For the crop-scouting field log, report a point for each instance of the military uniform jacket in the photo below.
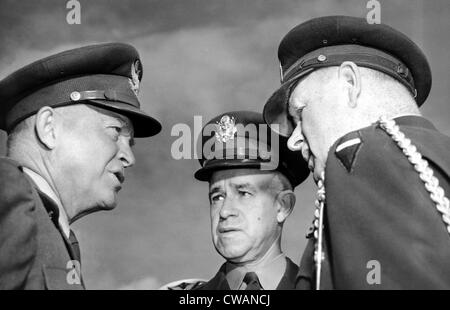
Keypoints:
(219, 282)
(34, 253)
(381, 229)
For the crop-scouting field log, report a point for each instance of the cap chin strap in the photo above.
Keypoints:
(319, 254)
(361, 55)
(109, 94)
(421, 165)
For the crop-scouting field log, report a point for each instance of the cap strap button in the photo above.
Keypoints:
(322, 58)
(401, 70)
(75, 96)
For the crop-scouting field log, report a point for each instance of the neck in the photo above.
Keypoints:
(36, 162)
(272, 253)
(369, 110)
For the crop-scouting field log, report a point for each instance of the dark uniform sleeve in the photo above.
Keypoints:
(17, 227)
(382, 229)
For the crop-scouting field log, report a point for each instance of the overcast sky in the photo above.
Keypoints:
(200, 58)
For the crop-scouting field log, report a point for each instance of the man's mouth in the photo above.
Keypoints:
(311, 163)
(120, 176)
(307, 156)
(224, 230)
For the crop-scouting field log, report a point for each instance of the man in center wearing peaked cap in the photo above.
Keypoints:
(71, 119)
(251, 177)
(349, 100)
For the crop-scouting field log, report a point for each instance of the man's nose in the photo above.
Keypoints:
(228, 208)
(295, 140)
(126, 155)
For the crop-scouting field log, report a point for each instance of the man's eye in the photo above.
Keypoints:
(245, 194)
(299, 113)
(216, 198)
(115, 131)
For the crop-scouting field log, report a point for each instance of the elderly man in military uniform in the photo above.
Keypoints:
(251, 183)
(71, 120)
(349, 100)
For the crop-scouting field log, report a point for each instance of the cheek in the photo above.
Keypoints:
(261, 222)
(101, 147)
(214, 214)
(215, 218)
(314, 123)
(87, 156)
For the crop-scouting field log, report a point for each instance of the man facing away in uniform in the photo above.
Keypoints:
(71, 120)
(251, 180)
(349, 100)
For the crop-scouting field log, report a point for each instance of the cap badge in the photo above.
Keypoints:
(226, 129)
(135, 72)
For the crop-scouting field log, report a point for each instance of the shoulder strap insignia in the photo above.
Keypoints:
(347, 149)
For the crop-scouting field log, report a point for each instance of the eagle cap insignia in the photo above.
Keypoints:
(135, 73)
(226, 129)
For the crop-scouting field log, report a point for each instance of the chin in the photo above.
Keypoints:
(316, 176)
(104, 204)
(234, 253)
(231, 256)
(108, 201)
(108, 205)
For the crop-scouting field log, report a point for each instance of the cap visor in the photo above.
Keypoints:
(276, 109)
(276, 112)
(204, 174)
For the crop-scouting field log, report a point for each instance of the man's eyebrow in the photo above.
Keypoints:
(214, 189)
(295, 112)
(292, 109)
(122, 119)
(244, 186)
(295, 109)
(126, 124)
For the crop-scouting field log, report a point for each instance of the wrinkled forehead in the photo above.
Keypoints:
(107, 115)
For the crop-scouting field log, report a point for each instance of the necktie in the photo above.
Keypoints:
(75, 246)
(252, 281)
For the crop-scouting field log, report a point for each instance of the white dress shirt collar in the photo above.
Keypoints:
(44, 187)
(269, 269)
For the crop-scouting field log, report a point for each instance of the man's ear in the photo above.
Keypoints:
(350, 75)
(285, 202)
(45, 127)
